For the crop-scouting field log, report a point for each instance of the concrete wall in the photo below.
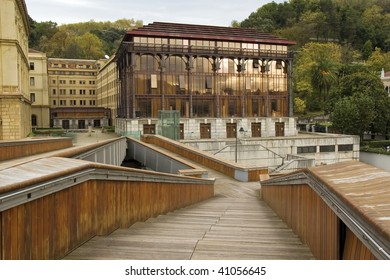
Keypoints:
(270, 151)
(218, 126)
(377, 160)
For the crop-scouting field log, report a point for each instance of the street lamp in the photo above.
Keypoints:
(241, 131)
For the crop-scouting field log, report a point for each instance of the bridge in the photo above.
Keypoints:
(76, 203)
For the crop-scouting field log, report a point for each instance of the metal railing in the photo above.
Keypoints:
(207, 51)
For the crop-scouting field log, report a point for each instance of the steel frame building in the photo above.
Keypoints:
(204, 72)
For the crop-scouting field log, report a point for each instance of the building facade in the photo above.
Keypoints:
(15, 105)
(73, 94)
(217, 78)
(385, 77)
(39, 90)
(107, 86)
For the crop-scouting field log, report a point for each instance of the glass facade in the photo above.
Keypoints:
(203, 78)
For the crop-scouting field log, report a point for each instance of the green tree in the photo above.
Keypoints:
(299, 105)
(379, 60)
(91, 46)
(40, 31)
(316, 69)
(355, 89)
(353, 115)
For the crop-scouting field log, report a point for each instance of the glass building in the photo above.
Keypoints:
(203, 71)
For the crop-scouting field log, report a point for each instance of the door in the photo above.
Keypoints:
(279, 129)
(81, 124)
(256, 129)
(205, 131)
(65, 124)
(181, 131)
(149, 129)
(231, 130)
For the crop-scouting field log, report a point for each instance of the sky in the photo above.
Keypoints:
(205, 12)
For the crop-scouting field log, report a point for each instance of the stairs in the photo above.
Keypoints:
(234, 224)
(219, 228)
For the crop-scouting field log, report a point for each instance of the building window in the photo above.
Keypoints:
(345, 148)
(73, 102)
(54, 91)
(91, 92)
(82, 91)
(327, 149)
(306, 150)
(32, 97)
(32, 66)
(32, 81)
(54, 102)
(82, 102)
(62, 91)
(53, 82)
(62, 102)
(34, 120)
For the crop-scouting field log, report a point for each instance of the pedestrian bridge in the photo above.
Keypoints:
(63, 204)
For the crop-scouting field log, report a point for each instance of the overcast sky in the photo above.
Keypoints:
(207, 12)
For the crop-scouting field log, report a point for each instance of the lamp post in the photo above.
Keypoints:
(241, 131)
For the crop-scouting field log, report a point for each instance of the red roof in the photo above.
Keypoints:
(204, 32)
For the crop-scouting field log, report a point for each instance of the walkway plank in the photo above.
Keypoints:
(235, 224)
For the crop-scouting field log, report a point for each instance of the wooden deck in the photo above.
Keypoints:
(235, 224)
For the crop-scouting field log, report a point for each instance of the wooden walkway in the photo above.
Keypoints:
(235, 224)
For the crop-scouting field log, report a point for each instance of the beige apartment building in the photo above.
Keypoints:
(73, 94)
(15, 105)
(107, 86)
(39, 90)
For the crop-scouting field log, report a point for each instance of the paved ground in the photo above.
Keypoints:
(85, 138)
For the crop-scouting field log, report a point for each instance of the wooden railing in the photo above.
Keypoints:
(47, 217)
(22, 148)
(314, 221)
(236, 171)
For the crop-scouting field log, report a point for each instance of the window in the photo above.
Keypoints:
(53, 82)
(62, 102)
(327, 149)
(82, 102)
(34, 121)
(32, 66)
(62, 91)
(345, 148)
(92, 102)
(32, 97)
(54, 91)
(82, 91)
(306, 149)
(54, 102)
(91, 92)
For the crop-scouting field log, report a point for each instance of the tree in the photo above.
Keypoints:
(364, 93)
(315, 72)
(299, 105)
(353, 115)
(91, 46)
(39, 30)
(379, 60)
